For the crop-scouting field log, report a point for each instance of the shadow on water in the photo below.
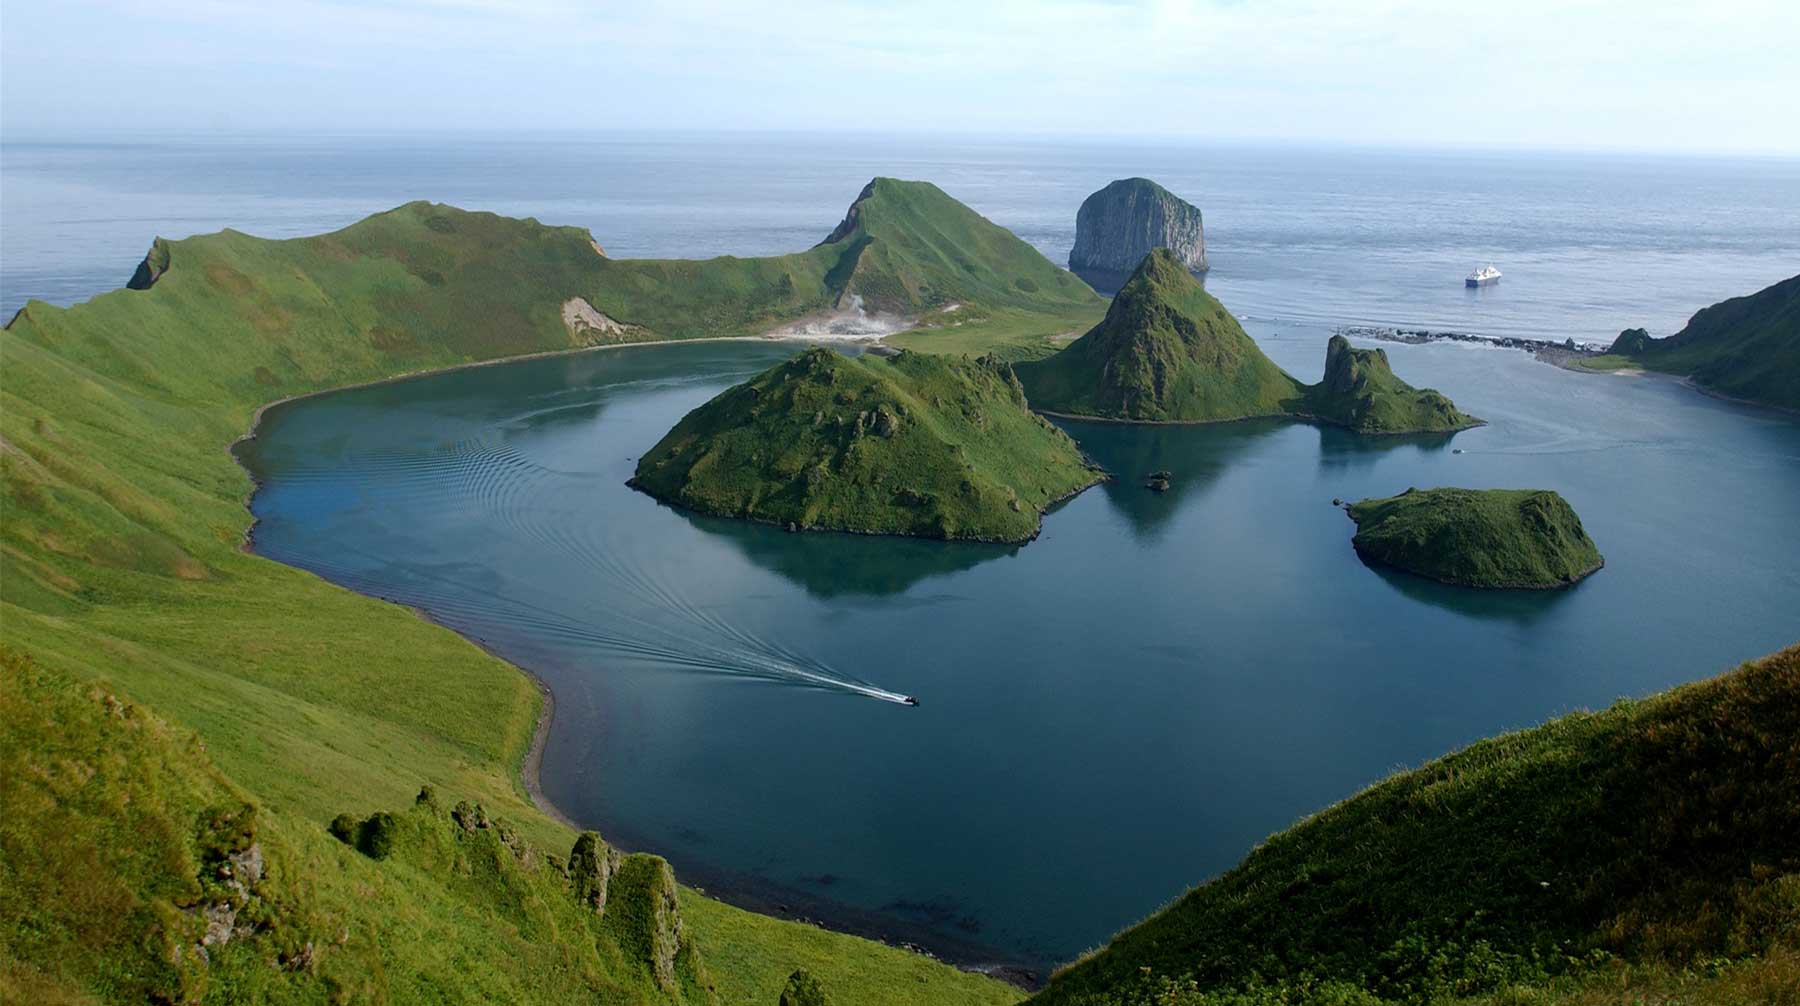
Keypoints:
(1522, 607)
(1194, 456)
(830, 565)
(1342, 450)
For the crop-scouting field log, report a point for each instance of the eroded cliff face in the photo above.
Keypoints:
(1120, 224)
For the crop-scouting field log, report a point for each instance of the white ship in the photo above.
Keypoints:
(1487, 275)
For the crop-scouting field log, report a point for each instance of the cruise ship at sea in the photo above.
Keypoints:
(1487, 275)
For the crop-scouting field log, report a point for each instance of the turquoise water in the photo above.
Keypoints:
(1109, 714)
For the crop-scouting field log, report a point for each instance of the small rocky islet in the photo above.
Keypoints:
(1492, 538)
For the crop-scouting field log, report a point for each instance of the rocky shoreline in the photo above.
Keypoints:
(1548, 350)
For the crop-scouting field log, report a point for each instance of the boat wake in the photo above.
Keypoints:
(647, 619)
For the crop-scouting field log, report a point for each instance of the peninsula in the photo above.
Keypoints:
(936, 446)
(1169, 352)
(1746, 348)
(1495, 538)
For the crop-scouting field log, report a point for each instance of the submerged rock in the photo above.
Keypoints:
(1120, 224)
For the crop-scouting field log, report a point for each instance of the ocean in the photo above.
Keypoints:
(1589, 244)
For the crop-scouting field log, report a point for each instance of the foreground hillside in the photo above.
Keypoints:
(914, 445)
(1657, 840)
(121, 575)
(1745, 347)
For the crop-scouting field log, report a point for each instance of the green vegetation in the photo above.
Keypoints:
(121, 574)
(1477, 537)
(1599, 858)
(1169, 352)
(919, 445)
(1745, 347)
(1360, 391)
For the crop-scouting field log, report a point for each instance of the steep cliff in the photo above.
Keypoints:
(1120, 224)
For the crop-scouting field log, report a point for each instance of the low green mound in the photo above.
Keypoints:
(1657, 835)
(1477, 537)
(917, 445)
(1745, 347)
(1167, 351)
(1360, 391)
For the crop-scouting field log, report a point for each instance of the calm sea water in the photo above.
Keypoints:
(1115, 711)
(1109, 714)
(1589, 245)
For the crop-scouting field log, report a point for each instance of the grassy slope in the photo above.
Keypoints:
(1745, 347)
(1477, 537)
(1359, 391)
(1660, 832)
(916, 444)
(1168, 351)
(119, 556)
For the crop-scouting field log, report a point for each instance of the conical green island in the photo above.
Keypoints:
(1477, 537)
(917, 444)
(1169, 352)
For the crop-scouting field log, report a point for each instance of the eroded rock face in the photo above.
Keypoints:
(1120, 224)
(592, 864)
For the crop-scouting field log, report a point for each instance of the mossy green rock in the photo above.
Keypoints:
(1477, 537)
(804, 990)
(912, 445)
(1167, 351)
(1360, 391)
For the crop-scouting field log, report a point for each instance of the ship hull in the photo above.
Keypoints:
(1473, 282)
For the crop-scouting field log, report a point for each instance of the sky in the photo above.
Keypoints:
(1713, 77)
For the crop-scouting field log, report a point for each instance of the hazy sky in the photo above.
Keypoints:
(1693, 77)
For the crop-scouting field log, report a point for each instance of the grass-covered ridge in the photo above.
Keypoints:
(915, 444)
(1745, 347)
(1169, 352)
(1553, 864)
(1499, 538)
(121, 568)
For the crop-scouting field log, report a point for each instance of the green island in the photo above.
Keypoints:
(1169, 352)
(1747, 348)
(1496, 538)
(917, 444)
(1595, 859)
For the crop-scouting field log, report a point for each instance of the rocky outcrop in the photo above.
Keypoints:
(652, 930)
(155, 263)
(592, 864)
(589, 326)
(804, 990)
(1120, 224)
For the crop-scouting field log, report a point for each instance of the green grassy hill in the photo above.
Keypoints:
(1745, 347)
(1168, 351)
(1360, 391)
(916, 445)
(1526, 538)
(121, 570)
(1644, 854)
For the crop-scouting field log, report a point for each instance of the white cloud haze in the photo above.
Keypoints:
(1678, 77)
